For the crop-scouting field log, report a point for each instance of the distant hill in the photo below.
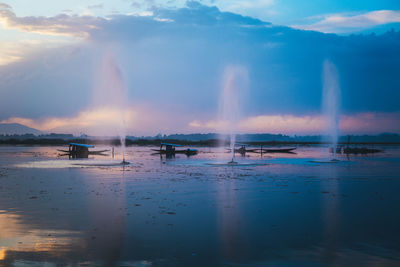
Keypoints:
(16, 128)
(265, 137)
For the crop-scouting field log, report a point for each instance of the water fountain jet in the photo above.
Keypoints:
(331, 104)
(112, 93)
(234, 82)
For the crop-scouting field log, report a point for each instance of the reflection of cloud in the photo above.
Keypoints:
(340, 23)
(19, 237)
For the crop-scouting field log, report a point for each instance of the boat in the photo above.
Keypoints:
(76, 150)
(242, 150)
(359, 150)
(170, 149)
(339, 150)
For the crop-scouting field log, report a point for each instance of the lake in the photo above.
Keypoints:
(275, 210)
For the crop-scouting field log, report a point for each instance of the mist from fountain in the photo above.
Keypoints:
(112, 93)
(331, 103)
(235, 82)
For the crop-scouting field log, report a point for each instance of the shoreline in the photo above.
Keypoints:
(156, 142)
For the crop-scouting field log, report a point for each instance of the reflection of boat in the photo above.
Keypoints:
(76, 150)
(243, 150)
(360, 150)
(278, 150)
(170, 150)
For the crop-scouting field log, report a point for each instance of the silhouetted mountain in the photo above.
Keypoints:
(17, 129)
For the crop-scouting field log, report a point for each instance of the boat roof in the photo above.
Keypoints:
(168, 144)
(83, 145)
(240, 144)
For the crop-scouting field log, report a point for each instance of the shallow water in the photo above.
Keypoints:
(279, 209)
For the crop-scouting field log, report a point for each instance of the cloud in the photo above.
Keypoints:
(144, 120)
(5, 6)
(246, 6)
(62, 24)
(369, 122)
(342, 23)
(109, 121)
(99, 6)
(143, 3)
(11, 52)
(176, 64)
(196, 14)
(261, 9)
(102, 121)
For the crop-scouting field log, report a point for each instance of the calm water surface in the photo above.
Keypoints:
(284, 210)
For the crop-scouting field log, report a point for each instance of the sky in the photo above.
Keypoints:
(149, 67)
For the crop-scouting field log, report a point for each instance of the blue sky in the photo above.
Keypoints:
(165, 63)
(279, 12)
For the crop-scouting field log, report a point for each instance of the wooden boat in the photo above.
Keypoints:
(359, 150)
(170, 149)
(242, 150)
(76, 150)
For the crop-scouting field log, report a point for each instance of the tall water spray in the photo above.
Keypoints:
(331, 102)
(112, 93)
(234, 83)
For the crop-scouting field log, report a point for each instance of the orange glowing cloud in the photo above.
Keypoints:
(108, 121)
(290, 124)
(144, 120)
(103, 121)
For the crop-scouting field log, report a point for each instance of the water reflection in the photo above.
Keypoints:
(19, 241)
(290, 211)
(230, 218)
(91, 229)
(330, 212)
